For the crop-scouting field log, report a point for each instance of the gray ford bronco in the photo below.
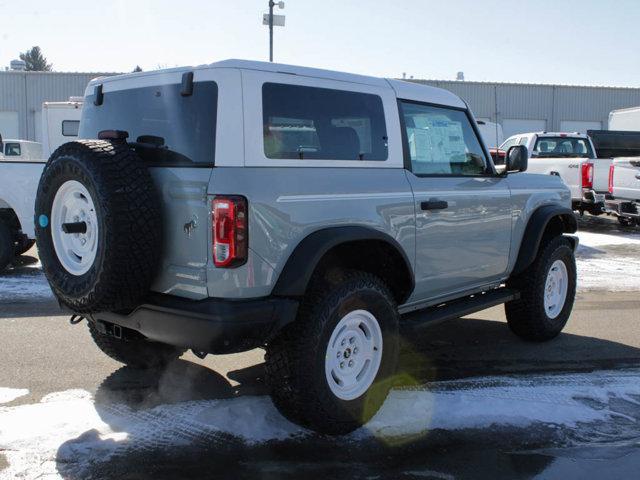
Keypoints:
(314, 214)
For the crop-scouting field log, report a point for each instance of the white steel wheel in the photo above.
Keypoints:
(73, 204)
(555, 289)
(353, 355)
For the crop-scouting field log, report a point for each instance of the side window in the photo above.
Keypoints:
(12, 150)
(523, 141)
(70, 128)
(305, 123)
(509, 143)
(441, 141)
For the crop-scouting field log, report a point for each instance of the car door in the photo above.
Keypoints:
(463, 208)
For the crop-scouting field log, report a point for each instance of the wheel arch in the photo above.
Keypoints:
(547, 221)
(375, 252)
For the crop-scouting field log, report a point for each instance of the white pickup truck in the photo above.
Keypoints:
(21, 164)
(624, 187)
(571, 156)
(622, 149)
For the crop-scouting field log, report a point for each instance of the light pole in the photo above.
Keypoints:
(271, 5)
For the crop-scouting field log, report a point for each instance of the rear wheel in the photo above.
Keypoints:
(547, 291)
(133, 349)
(626, 221)
(6, 245)
(331, 370)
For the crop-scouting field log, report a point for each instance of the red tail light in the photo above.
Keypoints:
(230, 242)
(587, 175)
(611, 170)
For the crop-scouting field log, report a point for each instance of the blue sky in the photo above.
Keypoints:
(563, 41)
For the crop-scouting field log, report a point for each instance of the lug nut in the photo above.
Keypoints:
(341, 364)
(355, 350)
(339, 354)
(351, 363)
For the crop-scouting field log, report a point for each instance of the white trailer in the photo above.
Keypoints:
(491, 133)
(60, 123)
(625, 119)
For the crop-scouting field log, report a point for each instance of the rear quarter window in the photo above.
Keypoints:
(305, 123)
(172, 129)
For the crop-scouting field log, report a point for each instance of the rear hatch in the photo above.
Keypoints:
(173, 130)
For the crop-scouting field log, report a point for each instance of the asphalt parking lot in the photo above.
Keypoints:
(470, 391)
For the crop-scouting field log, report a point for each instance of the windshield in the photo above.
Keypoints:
(184, 126)
(562, 147)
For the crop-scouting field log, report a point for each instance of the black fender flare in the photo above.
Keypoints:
(297, 272)
(535, 229)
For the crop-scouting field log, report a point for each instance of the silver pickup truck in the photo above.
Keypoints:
(314, 214)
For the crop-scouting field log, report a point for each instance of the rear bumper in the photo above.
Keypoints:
(623, 208)
(211, 325)
(591, 202)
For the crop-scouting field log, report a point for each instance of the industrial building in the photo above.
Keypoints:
(22, 94)
(517, 107)
(523, 108)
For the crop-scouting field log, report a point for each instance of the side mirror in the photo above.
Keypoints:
(517, 159)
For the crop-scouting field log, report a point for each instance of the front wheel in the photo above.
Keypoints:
(331, 370)
(6, 245)
(547, 291)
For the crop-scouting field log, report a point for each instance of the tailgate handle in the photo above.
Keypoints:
(434, 205)
(638, 176)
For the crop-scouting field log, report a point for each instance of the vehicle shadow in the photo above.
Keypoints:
(171, 447)
(607, 225)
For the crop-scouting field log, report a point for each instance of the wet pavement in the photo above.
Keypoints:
(473, 400)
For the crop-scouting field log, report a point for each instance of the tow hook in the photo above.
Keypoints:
(200, 355)
(76, 319)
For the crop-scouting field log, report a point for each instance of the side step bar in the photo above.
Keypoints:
(458, 308)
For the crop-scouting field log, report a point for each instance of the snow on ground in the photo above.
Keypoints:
(10, 394)
(608, 262)
(67, 427)
(29, 284)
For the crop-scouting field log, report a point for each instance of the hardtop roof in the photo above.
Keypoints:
(403, 89)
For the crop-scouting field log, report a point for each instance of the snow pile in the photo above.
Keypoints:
(608, 261)
(10, 394)
(69, 428)
(514, 401)
(31, 286)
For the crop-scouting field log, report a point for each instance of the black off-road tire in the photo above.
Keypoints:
(527, 316)
(295, 360)
(129, 225)
(134, 350)
(24, 246)
(626, 221)
(6, 245)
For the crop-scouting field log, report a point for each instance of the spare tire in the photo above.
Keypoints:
(98, 226)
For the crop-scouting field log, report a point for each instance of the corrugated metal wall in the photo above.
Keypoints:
(24, 92)
(553, 103)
